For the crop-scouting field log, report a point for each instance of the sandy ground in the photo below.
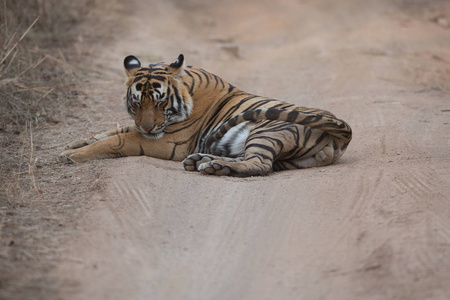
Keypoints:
(374, 226)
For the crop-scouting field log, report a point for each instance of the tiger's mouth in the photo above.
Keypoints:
(154, 134)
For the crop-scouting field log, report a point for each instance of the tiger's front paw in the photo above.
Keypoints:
(81, 143)
(72, 156)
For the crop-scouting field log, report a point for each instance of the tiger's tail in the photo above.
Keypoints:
(333, 126)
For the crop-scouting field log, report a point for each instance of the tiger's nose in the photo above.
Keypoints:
(147, 129)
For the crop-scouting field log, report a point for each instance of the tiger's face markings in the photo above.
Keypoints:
(145, 103)
(155, 97)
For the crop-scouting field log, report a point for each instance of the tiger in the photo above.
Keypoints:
(184, 113)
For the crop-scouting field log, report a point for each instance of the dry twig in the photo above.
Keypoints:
(18, 41)
(32, 164)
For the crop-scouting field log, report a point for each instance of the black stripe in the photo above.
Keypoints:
(191, 88)
(172, 155)
(223, 130)
(261, 146)
(311, 119)
(316, 143)
(231, 122)
(292, 116)
(260, 156)
(177, 94)
(139, 78)
(189, 74)
(259, 103)
(171, 100)
(160, 78)
(169, 91)
(307, 131)
(216, 79)
(273, 114)
(248, 115)
(276, 141)
(180, 104)
(207, 77)
(208, 124)
(278, 106)
(188, 124)
(119, 145)
(199, 77)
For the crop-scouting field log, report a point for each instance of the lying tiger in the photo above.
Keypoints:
(187, 113)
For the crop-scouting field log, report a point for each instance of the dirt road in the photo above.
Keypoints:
(374, 226)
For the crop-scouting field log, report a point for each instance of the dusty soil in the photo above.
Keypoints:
(376, 225)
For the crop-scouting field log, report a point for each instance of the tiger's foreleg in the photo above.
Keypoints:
(124, 144)
(100, 136)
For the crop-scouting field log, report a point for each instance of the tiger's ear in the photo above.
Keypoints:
(177, 66)
(132, 65)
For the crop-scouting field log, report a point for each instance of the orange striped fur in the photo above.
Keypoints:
(186, 113)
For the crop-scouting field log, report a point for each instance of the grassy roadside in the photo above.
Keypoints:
(43, 46)
(35, 78)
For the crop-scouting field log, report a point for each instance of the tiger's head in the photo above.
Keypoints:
(156, 96)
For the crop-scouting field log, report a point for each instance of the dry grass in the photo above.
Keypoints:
(39, 87)
(39, 78)
(29, 80)
(35, 78)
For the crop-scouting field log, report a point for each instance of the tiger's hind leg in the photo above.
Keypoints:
(260, 152)
(326, 156)
(275, 146)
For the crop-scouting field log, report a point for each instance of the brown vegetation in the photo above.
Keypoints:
(34, 76)
(40, 71)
